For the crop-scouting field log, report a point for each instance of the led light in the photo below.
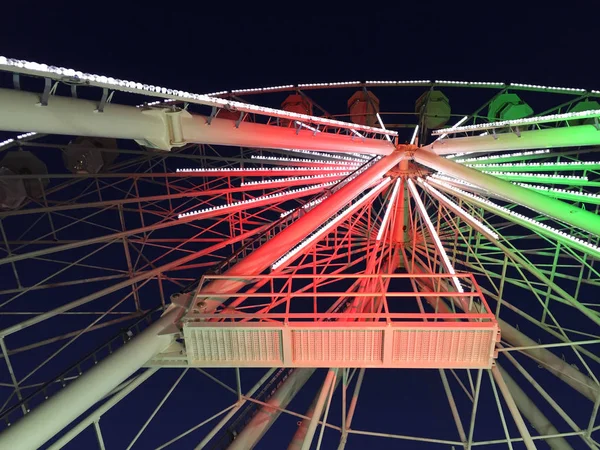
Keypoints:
(328, 225)
(291, 179)
(26, 135)
(457, 209)
(549, 88)
(414, 136)
(554, 165)
(329, 155)
(6, 142)
(565, 193)
(313, 161)
(526, 121)
(400, 82)
(356, 133)
(334, 84)
(453, 127)
(58, 73)
(255, 200)
(504, 155)
(388, 210)
(531, 223)
(433, 233)
(212, 94)
(536, 175)
(262, 89)
(255, 170)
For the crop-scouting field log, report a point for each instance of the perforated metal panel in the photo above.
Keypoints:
(430, 347)
(329, 344)
(337, 346)
(233, 345)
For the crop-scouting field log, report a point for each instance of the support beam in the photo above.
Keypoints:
(260, 259)
(45, 421)
(547, 138)
(265, 417)
(163, 128)
(324, 395)
(550, 207)
(512, 407)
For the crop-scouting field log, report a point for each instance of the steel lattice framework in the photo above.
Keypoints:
(268, 252)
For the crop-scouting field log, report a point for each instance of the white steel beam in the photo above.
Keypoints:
(43, 422)
(163, 128)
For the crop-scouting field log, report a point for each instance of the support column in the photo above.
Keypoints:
(265, 417)
(319, 406)
(533, 414)
(49, 418)
(513, 409)
(548, 206)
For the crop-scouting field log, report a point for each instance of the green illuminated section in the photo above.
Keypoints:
(548, 179)
(541, 167)
(565, 195)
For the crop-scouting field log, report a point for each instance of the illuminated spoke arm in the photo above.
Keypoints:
(550, 207)
(436, 239)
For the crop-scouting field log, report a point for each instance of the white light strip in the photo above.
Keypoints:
(255, 200)
(327, 226)
(399, 82)
(290, 179)
(526, 121)
(382, 126)
(550, 88)
(19, 137)
(262, 89)
(157, 102)
(329, 155)
(472, 83)
(582, 195)
(457, 209)
(414, 136)
(258, 171)
(217, 93)
(450, 179)
(503, 155)
(545, 229)
(336, 83)
(570, 165)
(434, 235)
(453, 127)
(388, 210)
(361, 136)
(6, 142)
(308, 161)
(74, 76)
(306, 206)
(535, 175)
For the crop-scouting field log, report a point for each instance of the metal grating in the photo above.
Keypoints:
(337, 346)
(429, 347)
(229, 345)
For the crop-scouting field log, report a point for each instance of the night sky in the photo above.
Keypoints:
(190, 48)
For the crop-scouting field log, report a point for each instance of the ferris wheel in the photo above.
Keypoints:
(330, 269)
